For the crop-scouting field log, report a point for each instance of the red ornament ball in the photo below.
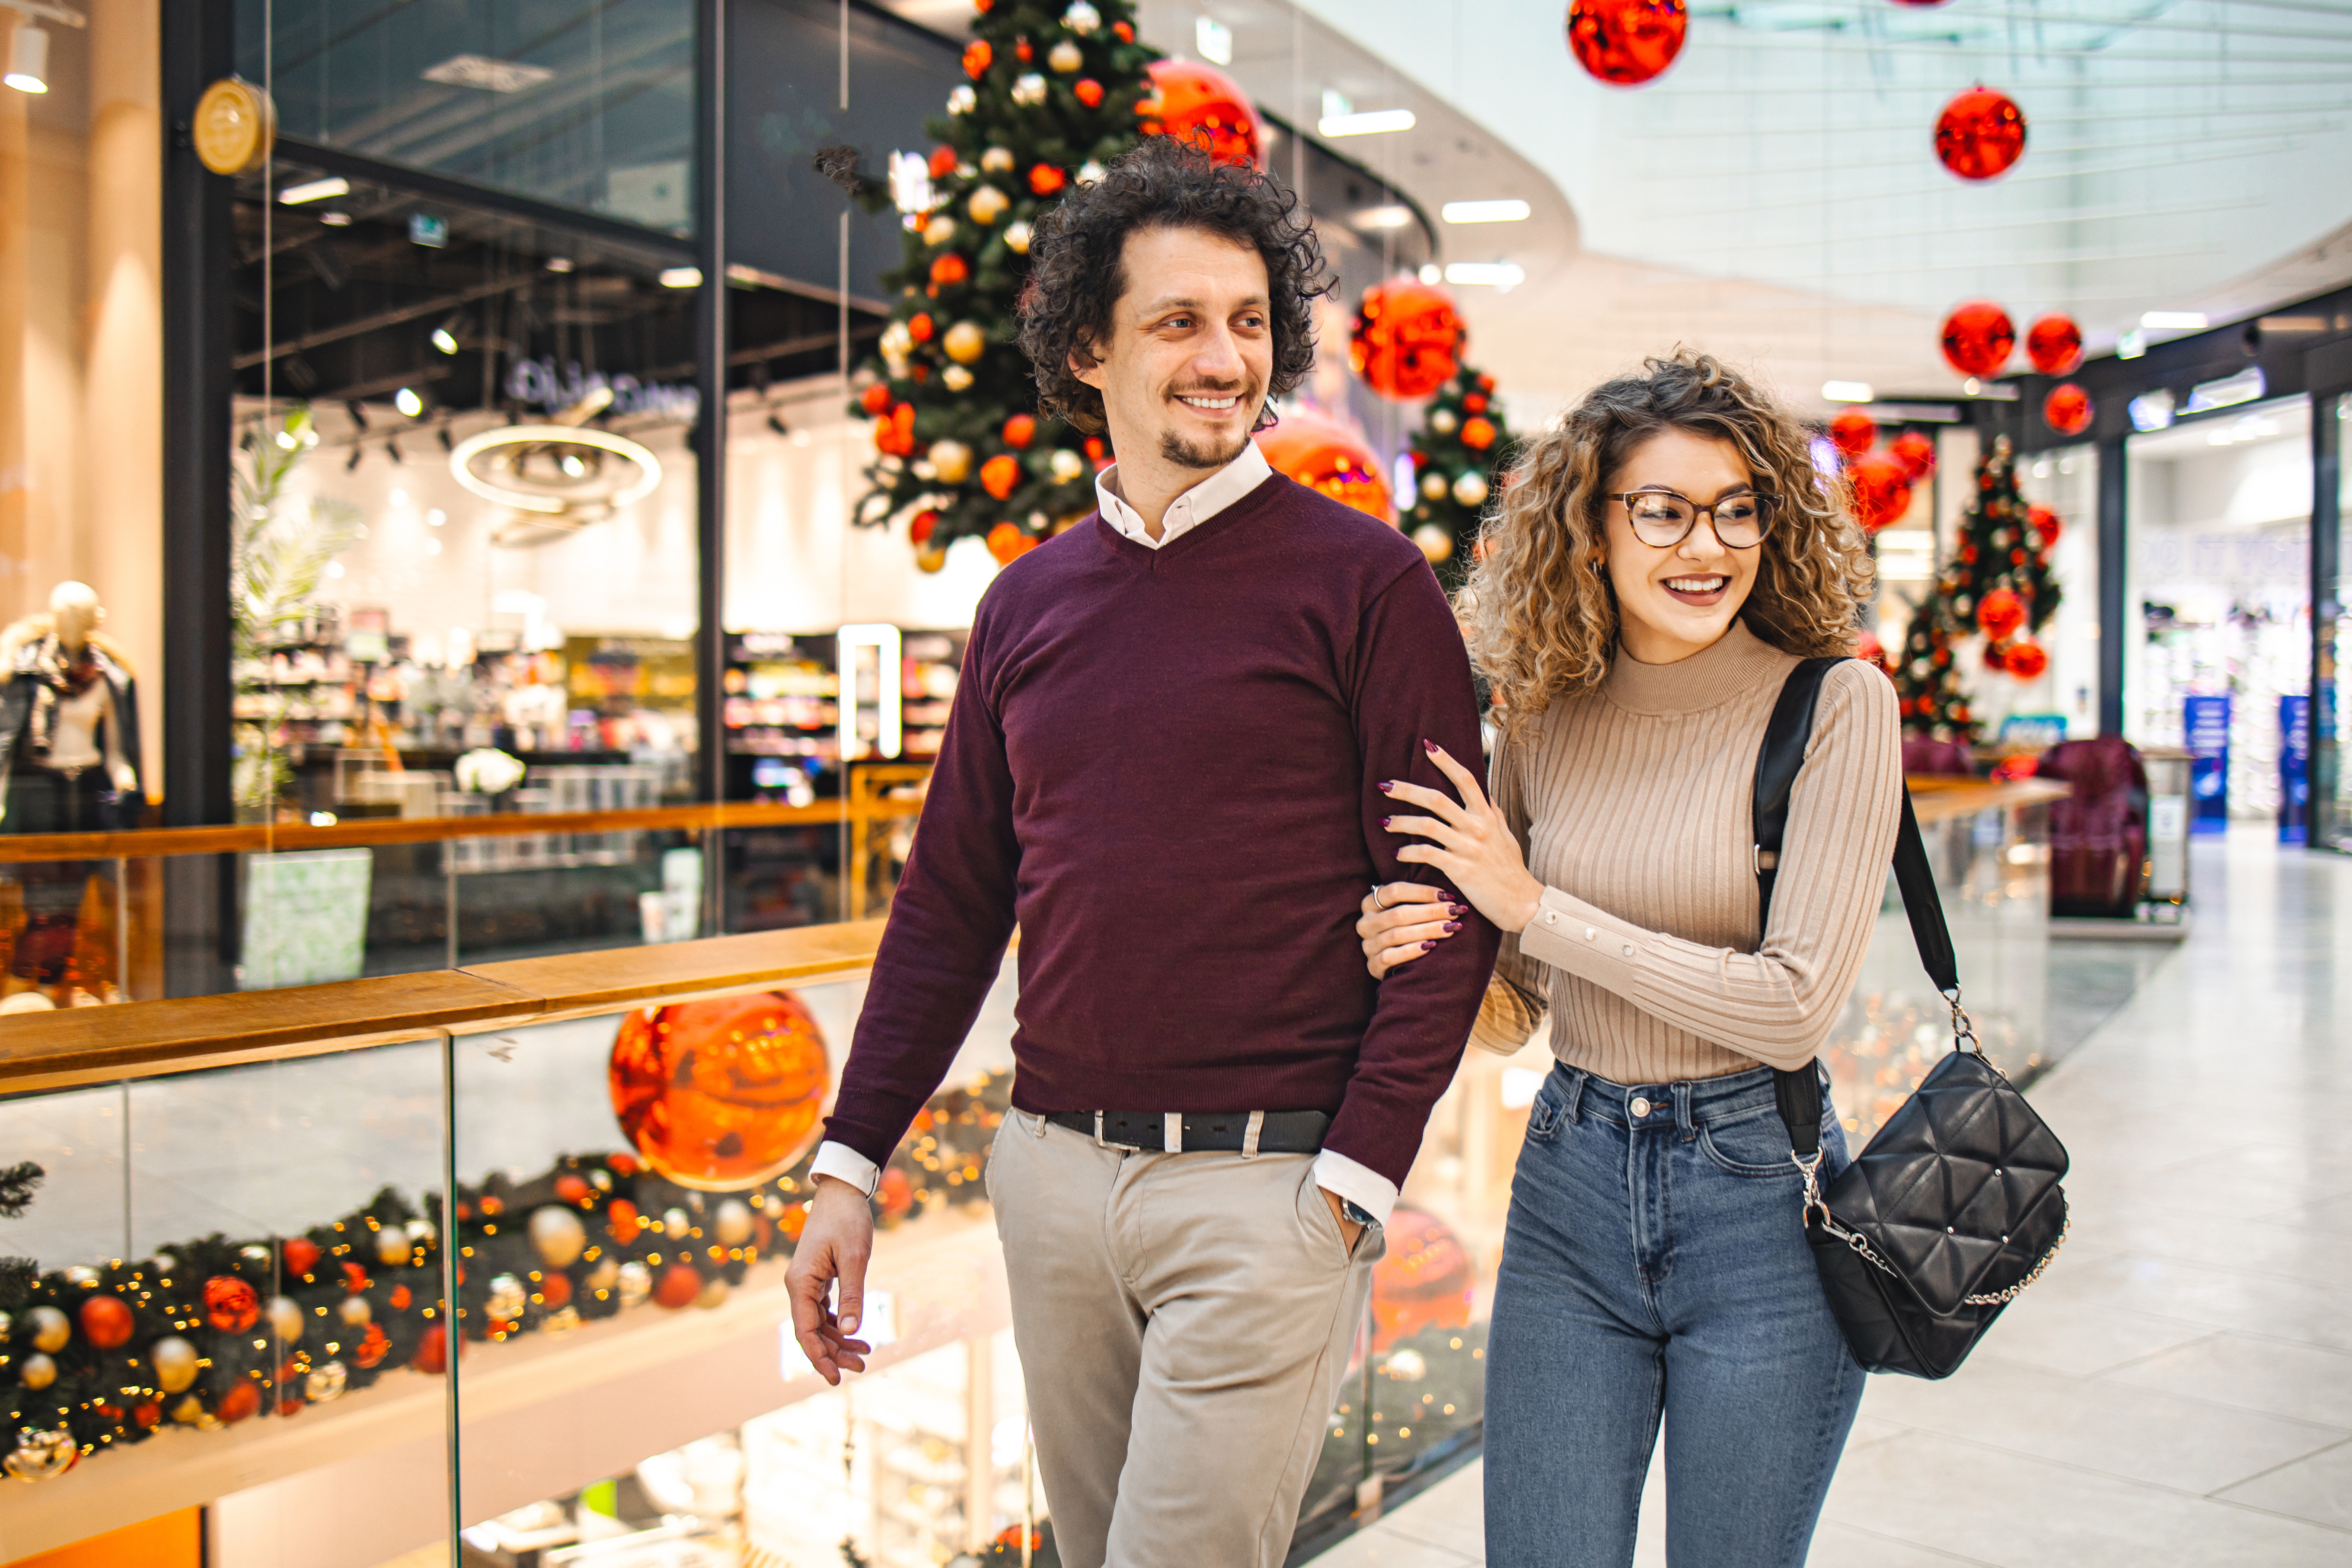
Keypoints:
(432, 1356)
(2026, 660)
(1406, 340)
(1200, 104)
(1980, 133)
(1324, 455)
(571, 1187)
(2045, 523)
(299, 1254)
(926, 523)
(1046, 179)
(230, 1304)
(720, 1095)
(243, 1399)
(2000, 612)
(1854, 432)
(1978, 338)
(1916, 450)
(977, 57)
(2067, 409)
(1626, 42)
(1478, 434)
(1020, 430)
(1881, 491)
(2055, 344)
(677, 1287)
(951, 268)
(1423, 1282)
(943, 161)
(876, 399)
(106, 1322)
(1089, 91)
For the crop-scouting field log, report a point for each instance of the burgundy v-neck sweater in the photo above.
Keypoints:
(1164, 764)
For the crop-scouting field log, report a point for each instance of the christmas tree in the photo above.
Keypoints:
(1927, 680)
(1458, 456)
(1054, 96)
(1998, 580)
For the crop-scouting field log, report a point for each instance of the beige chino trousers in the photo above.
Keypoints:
(1183, 1321)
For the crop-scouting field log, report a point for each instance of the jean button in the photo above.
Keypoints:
(1639, 1106)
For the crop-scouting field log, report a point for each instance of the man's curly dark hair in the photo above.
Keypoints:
(1076, 275)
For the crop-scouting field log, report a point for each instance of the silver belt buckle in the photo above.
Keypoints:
(1102, 1142)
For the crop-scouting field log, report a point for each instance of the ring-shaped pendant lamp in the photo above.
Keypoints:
(649, 469)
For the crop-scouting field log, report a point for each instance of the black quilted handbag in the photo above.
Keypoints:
(1955, 1207)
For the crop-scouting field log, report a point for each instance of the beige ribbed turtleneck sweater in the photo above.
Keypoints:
(1632, 802)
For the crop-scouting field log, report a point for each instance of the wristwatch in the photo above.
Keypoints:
(1356, 1212)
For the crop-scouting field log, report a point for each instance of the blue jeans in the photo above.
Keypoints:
(1655, 1264)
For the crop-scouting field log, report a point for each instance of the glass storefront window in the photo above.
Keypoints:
(2331, 781)
(2217, 593)
(2067, 701)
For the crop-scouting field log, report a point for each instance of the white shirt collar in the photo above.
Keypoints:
(1188, 511)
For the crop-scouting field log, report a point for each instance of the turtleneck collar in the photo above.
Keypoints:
(1714, 675)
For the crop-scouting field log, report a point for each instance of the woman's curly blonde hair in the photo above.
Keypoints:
(1538, 609)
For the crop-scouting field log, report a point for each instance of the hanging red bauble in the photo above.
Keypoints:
(1324, 455)
(1978, 338)
(2067, 409)
(1854, 432)
(2055, 344)
(1916, 450)
(1406, 337)
(2000, 612)
(1881, 491)
(2026, 660)
(230, 1304)
(1980, 133)
(677, 1287)
(106, 1322)
(432, 1355)
(1192, 101)
(300, 1255)
(720, 1095)
(239, 1401)
(1478, 433)
(2045, 523)
(1626, 42)
(1424, 1282)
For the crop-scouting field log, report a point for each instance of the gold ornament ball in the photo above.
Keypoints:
(175, 1361)
(6, 1324)
(326, 1382)
(929, 560)
(605, 1275)
(561, 1320)
(636, 1284)
(49, 1329)
(1436, 543)
(38, 1456)
(421, 1232)
(1029, 89)
(285, 1319)
(1090, 171)
(1442, 420)
(733, 1222)
(189, 1412)
(1066, 57)
(712, 1293)
(85, 1277)
(1016, 237)
(955, 378)
(1407, 1366)
(1432, 485)
(557, 1235)
(987, 205)
(962, 100)
(940, 230)
(964, 342)
(677, 1223)
(1470, 489)
(37, 1373)
(506, 1300)
(953, 461)
(1081, 19)
(393, 1247)
(1066, 465)
(997, 160)
(354, 1310)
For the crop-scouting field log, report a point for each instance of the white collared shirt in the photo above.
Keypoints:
(1188, 511)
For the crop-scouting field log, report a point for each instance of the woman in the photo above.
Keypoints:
(1668, 556)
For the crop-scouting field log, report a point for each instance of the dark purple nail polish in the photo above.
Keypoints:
(1428, 745)
(1387, 787)
(1427, 945)
(1453, 926)
(1457, 910)
(1386, 820)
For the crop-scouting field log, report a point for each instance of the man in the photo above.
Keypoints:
(1166, 760)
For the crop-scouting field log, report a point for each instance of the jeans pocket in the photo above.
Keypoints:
(1545, 1116)
(1750, 1143)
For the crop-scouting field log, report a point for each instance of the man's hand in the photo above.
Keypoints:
(835, 1244)
(1348, 1230)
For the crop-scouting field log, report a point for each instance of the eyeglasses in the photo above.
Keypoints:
(1664, 519)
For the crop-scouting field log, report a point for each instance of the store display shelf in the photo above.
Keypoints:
(535, 1415)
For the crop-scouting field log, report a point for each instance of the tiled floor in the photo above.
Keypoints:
(2178, 1389)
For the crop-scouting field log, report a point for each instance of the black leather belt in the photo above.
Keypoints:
(1249, 1131)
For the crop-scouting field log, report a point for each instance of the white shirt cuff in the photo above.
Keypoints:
(844, 1163)
(1358, 1185)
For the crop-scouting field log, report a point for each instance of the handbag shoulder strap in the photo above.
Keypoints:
(1799, 1094)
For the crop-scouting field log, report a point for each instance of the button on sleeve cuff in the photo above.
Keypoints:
(844, 1163)
(1571, 935)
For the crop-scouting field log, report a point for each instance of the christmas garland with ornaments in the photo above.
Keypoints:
(1459, 462)
(214, 1331)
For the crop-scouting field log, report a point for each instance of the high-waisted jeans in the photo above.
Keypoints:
(1655, 1265)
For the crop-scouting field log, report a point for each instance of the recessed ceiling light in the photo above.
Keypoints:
(1371, 123)
(336, 219)
(2174, 320)
(314, 191)
(682, 278)
(1847, 391)
(28, 59)
(558, 264)
(1394, 216)
(1485, 274)
(1487, 212)
(407, 402)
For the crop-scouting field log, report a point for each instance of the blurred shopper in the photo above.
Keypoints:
(1163, 763)
(1670, 554)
